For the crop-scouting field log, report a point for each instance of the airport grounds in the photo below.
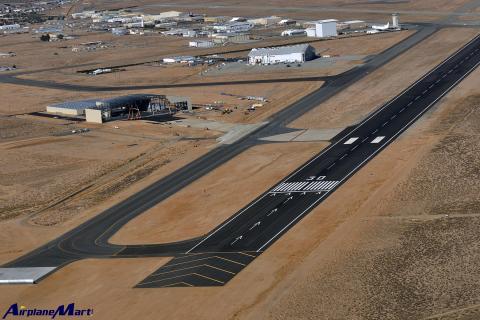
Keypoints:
(398, 241)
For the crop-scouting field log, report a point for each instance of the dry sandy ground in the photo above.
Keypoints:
(133, 49)
(374, 90)
(412, 10)
(357, 256)
(157, 75)
(376, 245)
(409, 246)
(250, 174)
(56, 180)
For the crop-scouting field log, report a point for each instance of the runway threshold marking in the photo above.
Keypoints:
(292, 186)
(334, 144)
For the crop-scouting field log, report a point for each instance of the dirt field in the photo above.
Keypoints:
(55, 166)
(63, 67)
(357, 256)
(251, 173)
(409, 249)
(429, 10)
(398, 241)
(374, 90)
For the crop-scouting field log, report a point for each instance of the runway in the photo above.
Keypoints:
(257, 226)
(90, 239)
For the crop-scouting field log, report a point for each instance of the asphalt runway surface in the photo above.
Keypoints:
(238, 241)
(224, 252)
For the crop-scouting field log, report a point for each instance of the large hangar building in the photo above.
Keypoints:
(132, 106)
(286, 54)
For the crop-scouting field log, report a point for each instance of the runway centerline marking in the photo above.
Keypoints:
(378, 139)
(351, 140)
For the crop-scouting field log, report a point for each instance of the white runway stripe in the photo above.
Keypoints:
(377, 139)
(290, 186)
(351, 140)
(314, 186)
(321, 186)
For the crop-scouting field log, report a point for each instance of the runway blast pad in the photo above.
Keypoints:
(199, 270)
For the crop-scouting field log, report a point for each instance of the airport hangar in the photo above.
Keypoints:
(286, 54)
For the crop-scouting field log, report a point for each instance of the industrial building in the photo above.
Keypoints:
(230, 37)
(322, 28)
(179, 59)
(265, 21)
(233, 27)
(9, 27)
(286, 54)
(352, 25)
(216, 19)
(293, 32)
(133, 106)
(201, 44)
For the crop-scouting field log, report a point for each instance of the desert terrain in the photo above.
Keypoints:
(399, 240)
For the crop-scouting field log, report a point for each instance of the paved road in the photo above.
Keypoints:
(91, 238)
(12, 79)
(224, 252)
(346, 8)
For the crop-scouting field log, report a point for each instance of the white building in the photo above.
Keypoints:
(180, 32)
(293, 32)
(7, 27)
(311, 32)
(286, 22)
(179, 59)
(286, 54)
(201, 44)
(326, 28)
(229, 37)
(233, 27)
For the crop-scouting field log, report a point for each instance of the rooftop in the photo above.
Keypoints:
(279, 50)
(326, 21)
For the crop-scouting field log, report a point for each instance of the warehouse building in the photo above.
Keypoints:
(286, 54)
(322, 28)
(293, 32)
(122, 106)
(230, 37)
(233, 27)
(201, 44)
(265, 21)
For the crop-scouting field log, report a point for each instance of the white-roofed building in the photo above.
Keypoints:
(293, 32)
(14, 26)
(326, 28)
(286, 54)
(323, 28)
